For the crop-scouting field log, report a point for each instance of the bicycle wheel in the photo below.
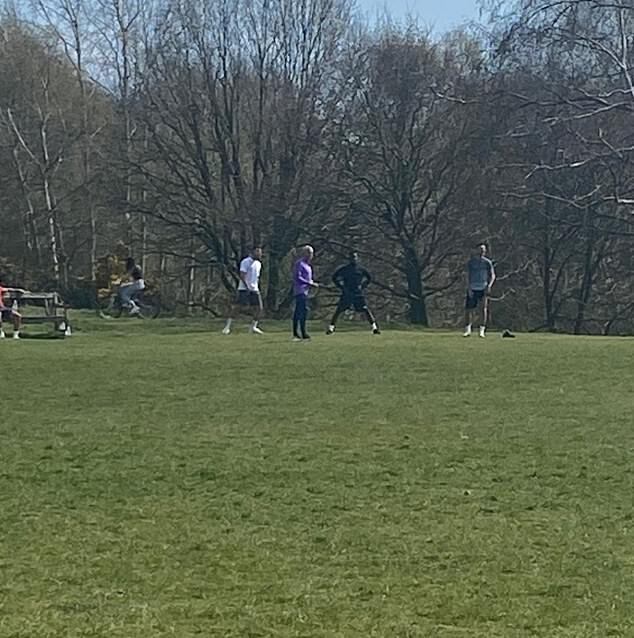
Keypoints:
(149, 307)
(111, 307)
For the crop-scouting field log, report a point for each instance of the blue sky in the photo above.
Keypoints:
(442, 14)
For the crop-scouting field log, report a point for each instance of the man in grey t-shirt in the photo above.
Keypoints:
(480, 280)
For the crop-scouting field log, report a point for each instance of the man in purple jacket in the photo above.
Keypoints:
(302, 283)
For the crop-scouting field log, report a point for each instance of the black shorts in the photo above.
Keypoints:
(357, 302)
(7, 314)
(474, 297)
(249, 298)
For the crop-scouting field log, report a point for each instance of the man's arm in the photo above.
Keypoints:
(301, 276)
(9, 291)
(367, 279)
(337, 278)
(243, 278)
(491, 276)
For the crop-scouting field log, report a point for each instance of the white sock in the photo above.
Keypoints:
(2, 335)
(331, 327)
(468, 328)
(374, 326)
(482, 329)
(254, 324)
(228, 324)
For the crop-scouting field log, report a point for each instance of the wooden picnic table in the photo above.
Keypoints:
(53, 308)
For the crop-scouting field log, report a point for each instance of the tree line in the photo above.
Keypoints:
(182, 133)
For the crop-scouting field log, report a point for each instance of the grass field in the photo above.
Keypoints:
(158, 480)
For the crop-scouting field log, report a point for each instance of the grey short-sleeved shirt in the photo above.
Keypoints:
(480, 273)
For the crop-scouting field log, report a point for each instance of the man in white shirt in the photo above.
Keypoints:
(249, 290)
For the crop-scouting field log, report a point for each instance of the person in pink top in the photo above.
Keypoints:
(302, 283)
(7, 313)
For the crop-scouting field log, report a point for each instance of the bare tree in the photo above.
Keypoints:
(238, 108)
(29, 125)
(409, 158)
(571, 68)
(69, 21)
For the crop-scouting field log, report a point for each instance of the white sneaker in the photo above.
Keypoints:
(16, 335)
(135, 311)
(226, 330)
(2, 335)
(256, 331)
(467, 332)
(297, 340)
(482, 332)
(330, 330)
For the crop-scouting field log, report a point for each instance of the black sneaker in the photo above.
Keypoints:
(376, 331)
(306, 338)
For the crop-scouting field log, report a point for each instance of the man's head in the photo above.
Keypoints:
(481, 250)
(256, 252)
(308, 253)
(353, 255)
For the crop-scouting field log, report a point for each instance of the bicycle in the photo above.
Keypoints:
(148, 302)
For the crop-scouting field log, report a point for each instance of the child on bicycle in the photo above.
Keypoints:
(131, 288)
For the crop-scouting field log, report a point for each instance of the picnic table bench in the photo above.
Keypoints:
(50, 305)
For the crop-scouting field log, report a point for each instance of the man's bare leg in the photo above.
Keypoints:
(17, 324)
(468, 319)
(234, 310)
(484, 315)
(257, 315)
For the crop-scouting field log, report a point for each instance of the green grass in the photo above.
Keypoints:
(158, 480)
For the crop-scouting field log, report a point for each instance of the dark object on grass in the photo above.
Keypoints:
(507, 334)
(42, 335)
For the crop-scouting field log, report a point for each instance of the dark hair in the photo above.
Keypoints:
(130, 263)
(352, 254)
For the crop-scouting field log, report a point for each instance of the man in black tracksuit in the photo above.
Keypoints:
(352, 280)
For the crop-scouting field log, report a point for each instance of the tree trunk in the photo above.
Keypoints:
(415, 289)
(53, 245)
(31, 238)
(283, 240)
(549, 318)
(144, 222)
(92, 216)
(588, 270)
(52, 228)
(191, 277)
(273, 282)
(144, 236)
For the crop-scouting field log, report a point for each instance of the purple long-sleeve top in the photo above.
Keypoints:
(302, 277)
